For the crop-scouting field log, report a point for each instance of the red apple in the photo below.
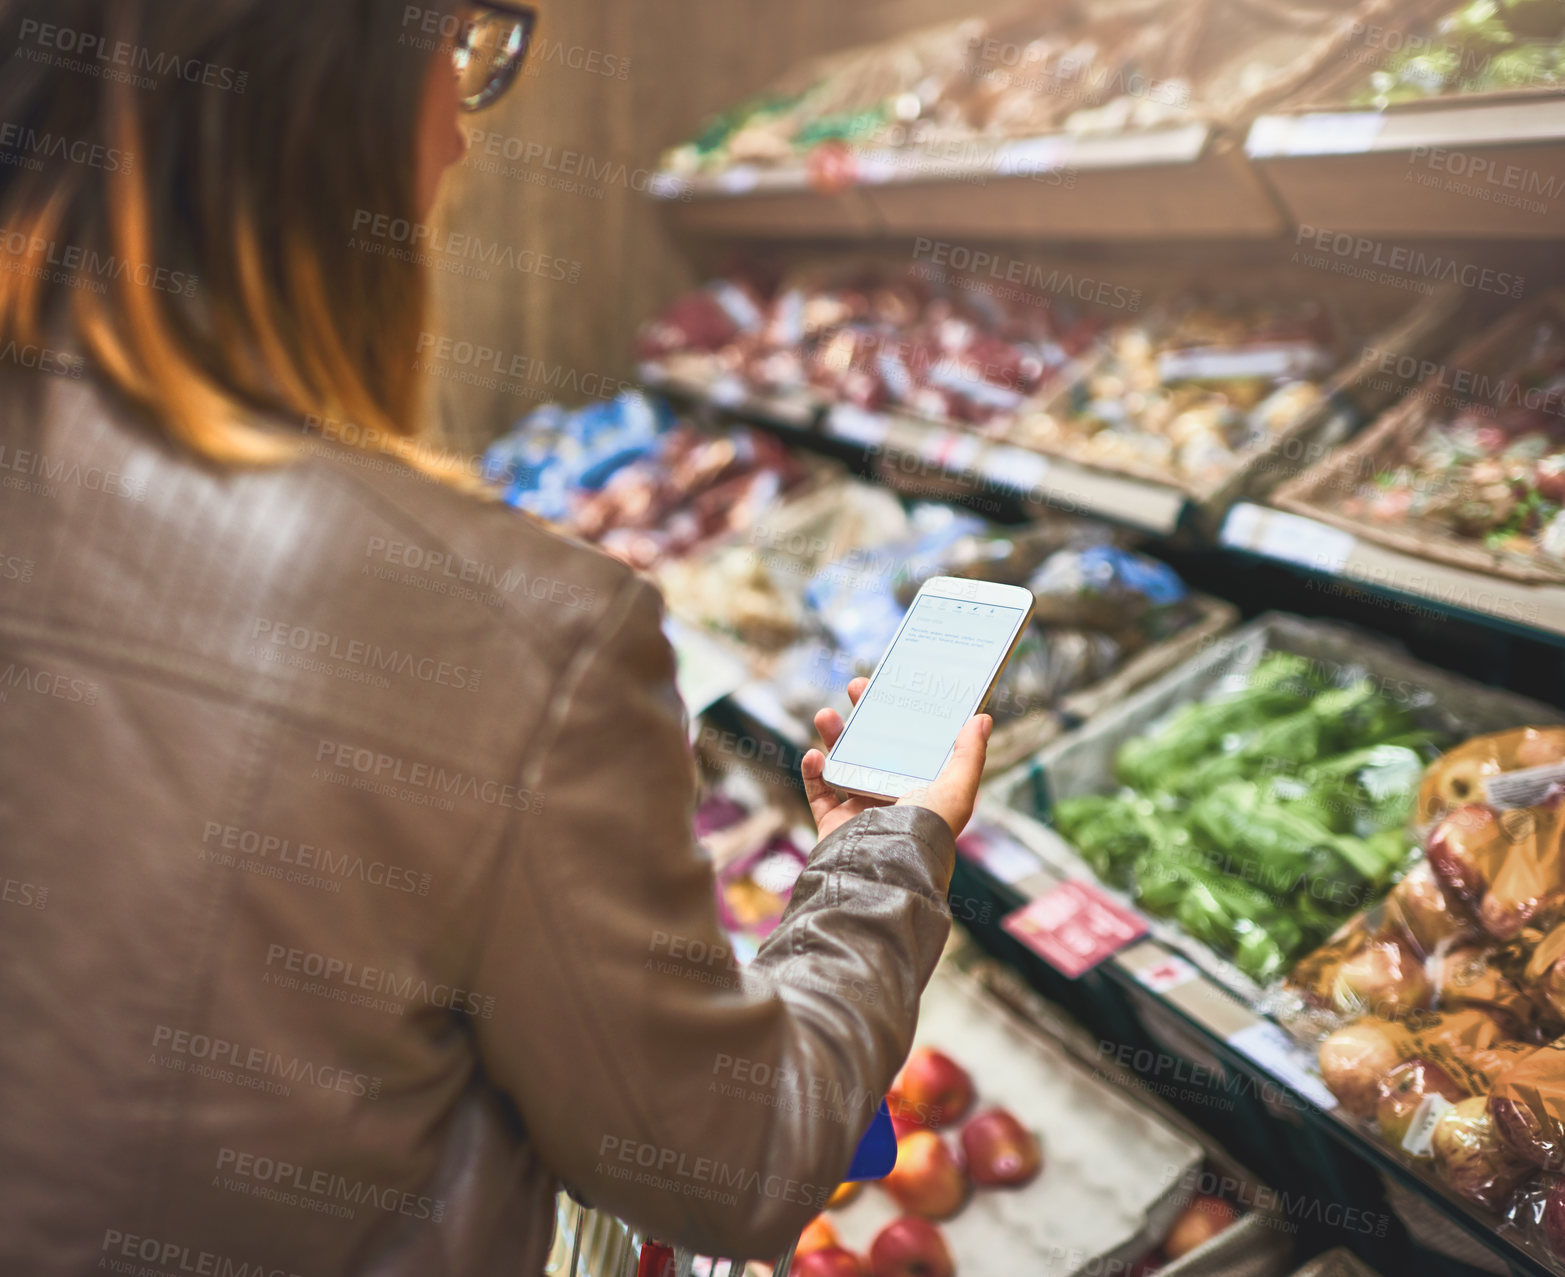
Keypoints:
(1464, 849)
(1355, 1058)
(910, 1247)
(818, 1234)
(931, 1089)
(926, 1180)
(829, 1261)
(1554, 1218)
(1000, 1150)
(1201, 1221)
(1384, 978)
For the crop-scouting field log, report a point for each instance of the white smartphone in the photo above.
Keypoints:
(938, 672)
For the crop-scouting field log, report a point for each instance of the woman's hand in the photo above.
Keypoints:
(950, 795)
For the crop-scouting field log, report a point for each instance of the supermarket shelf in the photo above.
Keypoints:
(906, 451)
(908, 448)
(799, 412)
(1535, 611)
(1254, 1047)
(1490, 169)
(1177, 181)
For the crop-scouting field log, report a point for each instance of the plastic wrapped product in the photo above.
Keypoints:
(1355, 1059)
(1545, 974)
(1528, 1106)
(1472, 1158)
(1417, 909)
(1467, 774)
(1538, 1213)
(1360, 973)
(1504, 865)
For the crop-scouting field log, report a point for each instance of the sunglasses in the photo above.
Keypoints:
(490, 50)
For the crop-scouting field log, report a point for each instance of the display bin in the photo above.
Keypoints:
(1082, 762)
(1375, 320)
(1317, 492)
(1260, 1242)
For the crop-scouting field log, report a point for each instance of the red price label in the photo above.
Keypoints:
(1073, 927)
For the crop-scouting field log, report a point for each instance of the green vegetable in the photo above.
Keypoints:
(1260, 819)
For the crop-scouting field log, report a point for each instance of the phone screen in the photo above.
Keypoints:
(927, 685)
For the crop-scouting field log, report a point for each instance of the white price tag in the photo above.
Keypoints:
(738, 180)
(1032, 155)
(1169, 973)
(1526, 787)
(845, 421)
(1227, 363)
(959, 457)
(1421, 1130)
(1318, 133)
(1284, 1059)
(876, 168)
(1290, 538)
(727, 391)
(1014, 468)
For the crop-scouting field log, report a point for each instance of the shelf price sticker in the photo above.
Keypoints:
(1015, 468)
(1284, 1059)
(856, 425)
(1168, 973)
(1317, 133)
(1031, 156)
(1289, 538)
(1073, 927)
(739, 179)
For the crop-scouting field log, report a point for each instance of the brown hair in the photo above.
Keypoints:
(200, 169)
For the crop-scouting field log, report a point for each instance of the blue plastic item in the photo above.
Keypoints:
(877, 1151)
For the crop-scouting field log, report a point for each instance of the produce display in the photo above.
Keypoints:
(1446, 1003)
(958, 90)
(948, 1148)
(1483, 46)
(1187, 394)
(816, 627)
(1014, 77)
(626, 476)
(870, 338)
(1260, 818)
(1485, 473)
(758, 848)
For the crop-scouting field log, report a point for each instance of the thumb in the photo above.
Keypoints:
(965, 768)
(953, 793)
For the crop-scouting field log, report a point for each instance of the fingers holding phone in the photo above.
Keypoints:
(915, 733)
(829, 808)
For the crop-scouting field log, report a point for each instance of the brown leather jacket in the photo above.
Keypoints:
(348, 899)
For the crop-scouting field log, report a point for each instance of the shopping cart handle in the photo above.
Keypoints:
(877, 1151)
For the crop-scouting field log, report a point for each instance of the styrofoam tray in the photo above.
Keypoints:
(1112, 1169)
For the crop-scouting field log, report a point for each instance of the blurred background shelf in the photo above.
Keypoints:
(1493, 168)
(1182, 181)
(1534, 611)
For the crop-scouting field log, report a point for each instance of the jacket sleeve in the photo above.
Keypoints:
(713, 1105)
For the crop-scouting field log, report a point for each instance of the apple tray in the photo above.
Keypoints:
(1110, 1186)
